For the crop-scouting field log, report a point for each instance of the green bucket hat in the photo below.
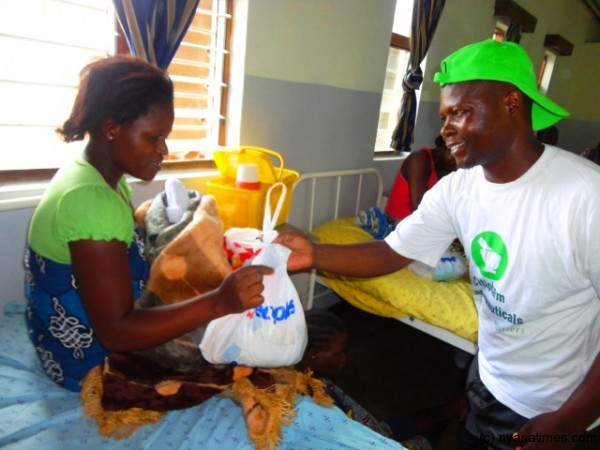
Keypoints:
(501, 61)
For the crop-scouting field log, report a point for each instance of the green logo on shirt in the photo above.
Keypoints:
(488, 251)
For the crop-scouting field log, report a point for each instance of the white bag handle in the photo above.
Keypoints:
(269, 221)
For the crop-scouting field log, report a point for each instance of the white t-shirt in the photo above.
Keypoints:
(534, 251)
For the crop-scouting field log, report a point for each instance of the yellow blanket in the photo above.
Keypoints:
(447, 304)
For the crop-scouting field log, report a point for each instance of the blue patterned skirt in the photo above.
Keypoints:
(56, 320)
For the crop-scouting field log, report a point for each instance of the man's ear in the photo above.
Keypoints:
(514, 102)
(110, 128)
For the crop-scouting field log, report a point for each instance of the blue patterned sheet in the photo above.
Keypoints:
(37, 414)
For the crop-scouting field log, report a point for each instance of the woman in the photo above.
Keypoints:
(85, 265)
(418, 173)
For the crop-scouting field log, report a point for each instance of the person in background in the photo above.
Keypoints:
(548, 135)
(592, 153)
(418, 173)
(325, 357)
(534, 266)
(84, 260)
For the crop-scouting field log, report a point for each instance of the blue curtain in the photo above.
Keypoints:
(513, 32)
(426, 15)
(154, 28)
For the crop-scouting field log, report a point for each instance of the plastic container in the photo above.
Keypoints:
(247, 176)
(244, 208)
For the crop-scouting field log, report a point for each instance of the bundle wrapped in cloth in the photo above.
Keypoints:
(188, 259)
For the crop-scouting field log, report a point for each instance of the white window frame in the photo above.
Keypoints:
(546, 69)
(397, 63)
(391, 99)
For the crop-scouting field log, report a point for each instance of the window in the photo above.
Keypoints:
(499, 31)
(555, 45)
(44, 45)
(397, 63)
(512, 21)
(199, 70)
(546, 69)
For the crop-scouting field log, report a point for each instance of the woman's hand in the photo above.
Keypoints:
(303, 251)
(242, 289)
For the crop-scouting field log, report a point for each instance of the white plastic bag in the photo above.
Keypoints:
(451, 266)
(271, 335)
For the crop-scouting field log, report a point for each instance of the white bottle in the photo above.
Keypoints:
(178, 200)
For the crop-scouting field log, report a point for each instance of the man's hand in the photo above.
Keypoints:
(302, 256)
(549, 431)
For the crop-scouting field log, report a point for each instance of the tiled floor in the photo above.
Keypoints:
(393, 369)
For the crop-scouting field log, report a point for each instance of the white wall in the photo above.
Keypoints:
(13, 226)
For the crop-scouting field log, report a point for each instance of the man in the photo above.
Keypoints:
(528, 217)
